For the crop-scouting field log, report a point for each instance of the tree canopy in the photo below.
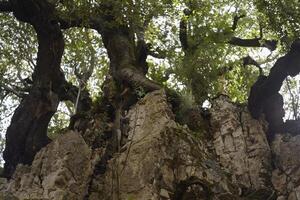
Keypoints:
(61, 58)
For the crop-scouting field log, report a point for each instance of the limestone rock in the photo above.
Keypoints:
(241, 145)
(286, 176)
(162, 160)
(61, 170)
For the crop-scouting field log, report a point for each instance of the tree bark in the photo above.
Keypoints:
(27, 133)
(123, 65)
(288, 65)
(264, 95)
(119, 42)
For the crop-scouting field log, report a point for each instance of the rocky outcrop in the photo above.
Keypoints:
(241, 145)
(286, 175)
(161, 159)
(59, 171)
(164, 160)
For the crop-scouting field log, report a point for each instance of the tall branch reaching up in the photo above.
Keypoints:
(120, 46)
(27, 133)
(183, 30)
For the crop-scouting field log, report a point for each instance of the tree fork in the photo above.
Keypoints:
(123, 64)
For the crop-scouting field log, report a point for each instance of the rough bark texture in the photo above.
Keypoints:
(267, 86)
(27, 133)
(161, 159)
(264, 96)
(127, 66)
(124, 67)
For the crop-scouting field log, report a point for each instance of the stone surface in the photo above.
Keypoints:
(241, 145)
(286, 176)
(59, 171)
(162, 160)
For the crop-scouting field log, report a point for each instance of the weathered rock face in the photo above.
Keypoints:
(241, 145)
(59, 171)
(161, 160)
(286, 176)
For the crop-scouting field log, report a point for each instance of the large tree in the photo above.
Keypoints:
(202, 51)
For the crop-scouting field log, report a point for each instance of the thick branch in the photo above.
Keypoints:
(265, 98)
(255, 42)
(183, 30)
(93, 23)
(27, 133)
(123, 64)
(134, 77)
(288, 65)
(5, 6)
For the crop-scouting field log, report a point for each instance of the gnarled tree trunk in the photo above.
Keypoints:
(27, 133)
(264, 96)
(124, 67)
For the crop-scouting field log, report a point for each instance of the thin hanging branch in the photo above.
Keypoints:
(85, 74)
